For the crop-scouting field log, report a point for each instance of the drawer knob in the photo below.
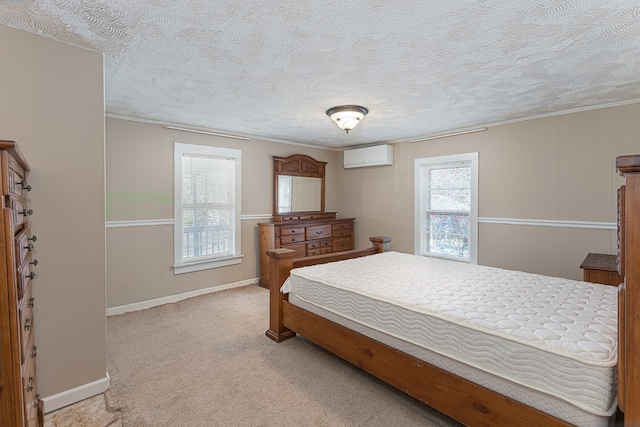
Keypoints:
(34, 352)
(34, 262)
(26, 212)
(31, 275)
(31, 300)
(29, 247)
(33, 239)
(27, 324)
(25, 185)
(30, 386)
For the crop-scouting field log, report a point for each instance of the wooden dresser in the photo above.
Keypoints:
(299, 221)
(307, 237)
(21, 405)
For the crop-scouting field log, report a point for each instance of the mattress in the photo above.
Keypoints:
(554, 336)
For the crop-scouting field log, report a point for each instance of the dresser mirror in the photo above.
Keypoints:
(298, 194)
(298, 185)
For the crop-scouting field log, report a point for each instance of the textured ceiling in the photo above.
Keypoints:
(272, 68)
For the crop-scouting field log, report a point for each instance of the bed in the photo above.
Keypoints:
(505, 366)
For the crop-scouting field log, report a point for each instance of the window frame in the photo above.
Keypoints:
(214, 261)
(420, 186)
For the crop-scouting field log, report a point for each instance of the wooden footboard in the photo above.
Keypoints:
(281, 261)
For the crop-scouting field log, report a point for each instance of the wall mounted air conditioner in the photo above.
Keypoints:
(378, 155)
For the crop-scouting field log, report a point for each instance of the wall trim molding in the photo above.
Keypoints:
(170, 221)
(565, 112)
(205, 129)
(256, 217)
(526, 118)
(138, 223)
(485, 125)
(76, 394)
(550, 223)
(143, 305)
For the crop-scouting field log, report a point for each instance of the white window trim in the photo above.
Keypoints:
(179, 266)
(420, 222)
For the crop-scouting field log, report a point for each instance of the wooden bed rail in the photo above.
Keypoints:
(280, 263)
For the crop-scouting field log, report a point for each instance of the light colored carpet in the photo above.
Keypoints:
(206, 362)
(92, 412)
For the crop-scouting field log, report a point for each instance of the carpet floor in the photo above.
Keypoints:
(205, 361)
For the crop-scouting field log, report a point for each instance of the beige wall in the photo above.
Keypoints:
(53, 106)
(140, 188)
(558, 168)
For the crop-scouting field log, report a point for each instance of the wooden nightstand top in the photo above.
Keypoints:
(603, 262)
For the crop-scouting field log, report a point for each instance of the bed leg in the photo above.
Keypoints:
(280, 263)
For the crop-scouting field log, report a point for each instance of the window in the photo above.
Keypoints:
(446, 207)
(207, 207)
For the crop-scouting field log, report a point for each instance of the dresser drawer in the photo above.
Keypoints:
(30, 389)
(318, 232)
(23, 278)
(319, 247)
(342, 233)
(290, 217)
(347, 225)
(342, 244)
(23, 246)
(307, 217)
(287, 240)
(291, 235)
(300, 248)
(319, 251)
(317, 244)
(26, 322)
(16, 183)
(19, 212)
(290, 231)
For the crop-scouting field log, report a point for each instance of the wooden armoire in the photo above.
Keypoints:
(21, 404)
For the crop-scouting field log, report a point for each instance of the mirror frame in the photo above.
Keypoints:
(297, 165)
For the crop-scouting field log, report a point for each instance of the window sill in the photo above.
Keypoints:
(206, 265)
(448, 258)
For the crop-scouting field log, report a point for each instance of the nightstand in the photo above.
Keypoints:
(601, 268)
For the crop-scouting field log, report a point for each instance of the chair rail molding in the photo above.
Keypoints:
(550, 223)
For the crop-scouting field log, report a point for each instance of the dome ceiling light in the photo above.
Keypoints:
(347, 117)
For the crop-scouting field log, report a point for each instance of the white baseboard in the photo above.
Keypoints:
(69, 397)
(142, 305)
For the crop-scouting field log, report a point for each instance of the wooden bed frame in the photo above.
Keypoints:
(452, 395)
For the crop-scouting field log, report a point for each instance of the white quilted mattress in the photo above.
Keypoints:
(553, 335)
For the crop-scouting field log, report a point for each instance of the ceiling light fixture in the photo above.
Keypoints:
(347, 116)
